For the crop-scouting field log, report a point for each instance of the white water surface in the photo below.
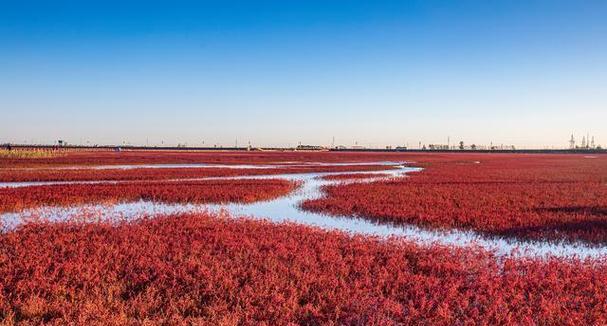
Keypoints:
(286, 209)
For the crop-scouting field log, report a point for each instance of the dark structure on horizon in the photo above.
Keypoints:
(471, 149)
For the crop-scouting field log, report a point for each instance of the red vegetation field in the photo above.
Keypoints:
(199, 268)
(216, 191)
(532, 196)
(206, 269)
(20, 175)
(78, 158)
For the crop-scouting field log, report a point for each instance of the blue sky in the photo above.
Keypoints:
(277, 73)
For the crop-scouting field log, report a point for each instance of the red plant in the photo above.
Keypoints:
(71, 158)
(19, 175)
(207, 269)
(217, 191)
(532, 196)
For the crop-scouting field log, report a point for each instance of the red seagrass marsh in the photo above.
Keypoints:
(279, 237)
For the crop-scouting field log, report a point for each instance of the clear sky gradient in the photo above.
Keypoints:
(276, 73)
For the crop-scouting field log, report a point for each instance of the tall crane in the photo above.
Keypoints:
(572, 142)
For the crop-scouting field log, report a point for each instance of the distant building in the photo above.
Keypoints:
(434, 147)
(309, 148)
